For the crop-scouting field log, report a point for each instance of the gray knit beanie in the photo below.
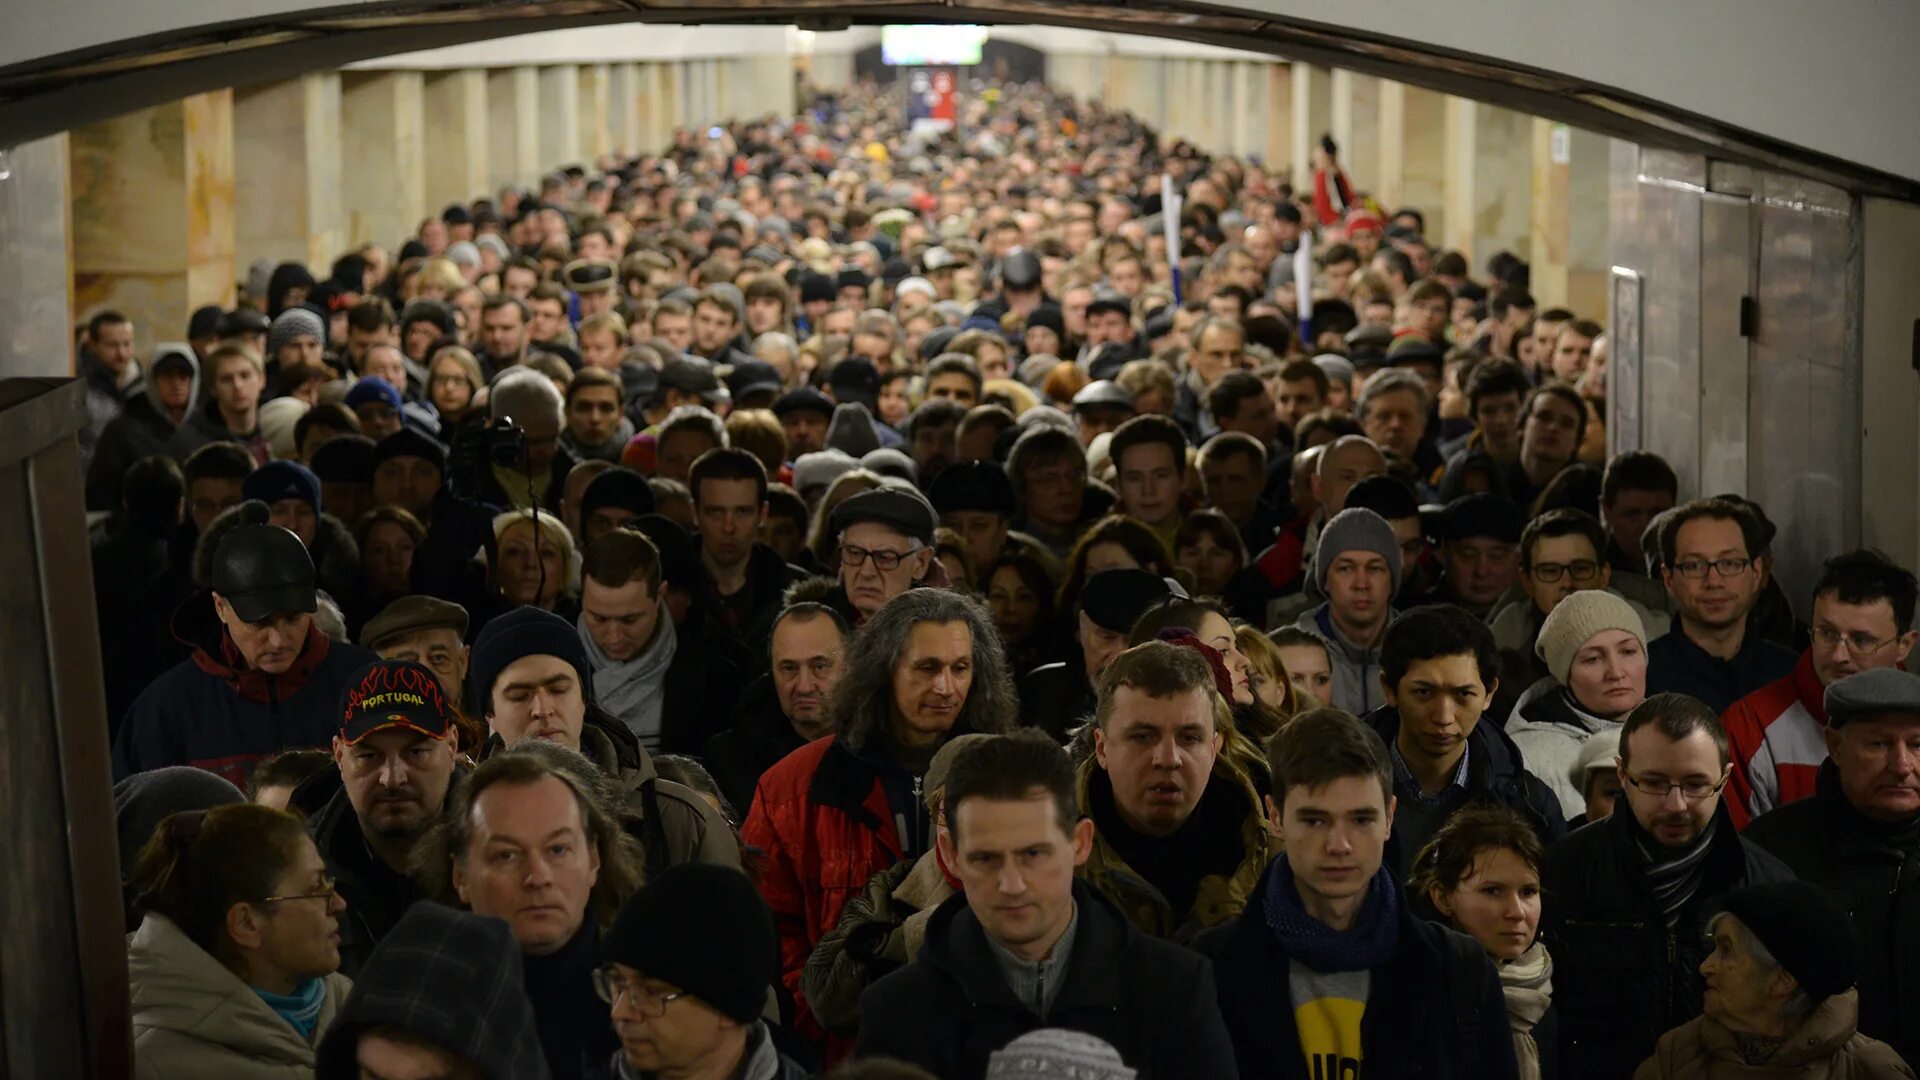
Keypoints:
(1575, 620)
(1058, 1054)
(851, 430)
(293, 323)
(1356, 529)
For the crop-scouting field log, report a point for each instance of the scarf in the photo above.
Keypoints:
(1528, 986)
(300, 1008)
(632, 689)
(1371, 942)
(1675, 876)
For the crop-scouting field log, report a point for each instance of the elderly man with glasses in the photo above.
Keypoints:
(886, 547)
(1634, 893)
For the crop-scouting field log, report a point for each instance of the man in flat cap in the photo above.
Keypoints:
(885, 540)
(1858, 837)
(975, 499)
(804, 414)
(1100, 407)
(593, 281)
(1056, 697)
(262, 677)
(425, 630)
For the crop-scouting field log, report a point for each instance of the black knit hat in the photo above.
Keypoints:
(620, 488)
(1805, 930)
(703, 929)
(408, 442)
(525, 631)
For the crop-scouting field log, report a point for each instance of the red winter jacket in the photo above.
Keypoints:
(1778, 738)
(821, 820)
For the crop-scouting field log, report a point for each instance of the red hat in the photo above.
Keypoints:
(1184, 637)
(1364, 221)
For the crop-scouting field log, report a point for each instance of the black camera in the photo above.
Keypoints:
(475, 451)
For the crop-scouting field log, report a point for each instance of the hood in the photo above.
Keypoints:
(1320, 621)
(453, 977)
(1545, 706)
(179, 987)
(193, 390)
(1813, 1045)
(336, 555)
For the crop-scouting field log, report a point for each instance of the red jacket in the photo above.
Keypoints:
(1778, 738)
(821, 820)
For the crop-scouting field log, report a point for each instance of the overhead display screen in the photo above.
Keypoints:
(931, 46)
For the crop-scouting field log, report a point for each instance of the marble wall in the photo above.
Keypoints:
(385, 186)
(36, 301)
(286, 146)
(458, 136)
(153, 214)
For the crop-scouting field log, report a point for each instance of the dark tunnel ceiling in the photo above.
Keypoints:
(52, 94)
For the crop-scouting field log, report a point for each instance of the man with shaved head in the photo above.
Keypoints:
(1343, 463)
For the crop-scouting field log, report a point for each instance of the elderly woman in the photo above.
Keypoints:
(232, 970)
(1595, 647)
(1780, 998)
(1481, 872)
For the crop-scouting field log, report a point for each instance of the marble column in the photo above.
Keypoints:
(557, 128)
(459, 147)
(1411, 142)
(623, 107)
(36, 261)
(1279, 138)
(513, 123)
(287, 159)
(596, 137)
(1489, 185)
(384, 118)
(153, 215)
(1312, 115)
(1355, 120)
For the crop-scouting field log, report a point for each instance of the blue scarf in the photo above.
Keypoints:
(1371, 942)
(300, 1008)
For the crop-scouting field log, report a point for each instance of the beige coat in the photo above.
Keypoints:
(1828, 1046)
(194, 1019)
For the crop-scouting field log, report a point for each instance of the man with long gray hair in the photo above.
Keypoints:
(925, 667)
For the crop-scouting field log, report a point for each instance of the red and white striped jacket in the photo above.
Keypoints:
(1778, 736)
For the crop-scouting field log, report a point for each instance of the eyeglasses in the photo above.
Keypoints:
(883, 561)
(1691, 790)
(1829, 638)
(1580, 569)
(326, 893)
(1697, 568)
(611, 987)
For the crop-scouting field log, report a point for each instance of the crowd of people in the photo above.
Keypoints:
(834, 598)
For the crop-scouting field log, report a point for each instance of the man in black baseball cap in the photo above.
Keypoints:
(1055, 697)
(885, 538)
(262, 677)
(397, 751)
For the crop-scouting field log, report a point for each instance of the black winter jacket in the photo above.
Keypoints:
(1872, 869)
(757, 738)
(951, 1009)
(1621, 977)
(1434, 1011)
(1495, 774)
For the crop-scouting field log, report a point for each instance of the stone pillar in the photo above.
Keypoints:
(1279, 143)
(1412, 152)
(1312, 115)
(287, 157)
(384, 117)
(153, 224)
(623, 107)
(459, 144)
(513, 122)
(1489, 156)
(1355, 120)
(595, 135)
(557, 127)
(1589, 223)
(36, 261)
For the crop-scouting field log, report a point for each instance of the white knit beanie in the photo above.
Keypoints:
(1574, 622)
(1058, 1054)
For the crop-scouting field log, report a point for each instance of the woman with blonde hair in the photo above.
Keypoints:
(1267, 671)
(439, 279)
(538, 567)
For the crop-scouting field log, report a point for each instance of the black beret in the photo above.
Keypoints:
(805, 399)
(408, 443)
(1115, 599)
(1483, 514)
(618, 487)
(906, 512)
(972, 485)
(816, 287)
(1048, 316)
(344, 459)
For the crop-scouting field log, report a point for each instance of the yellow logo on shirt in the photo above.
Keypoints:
(1330, 1037)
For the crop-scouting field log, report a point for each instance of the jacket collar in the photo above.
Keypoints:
(1819, 1037)
(957, 945)
(1806, 686)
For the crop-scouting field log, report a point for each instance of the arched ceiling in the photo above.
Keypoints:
(1822, 89)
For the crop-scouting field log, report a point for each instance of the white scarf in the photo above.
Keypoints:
(631, 689)
(1528, 985)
